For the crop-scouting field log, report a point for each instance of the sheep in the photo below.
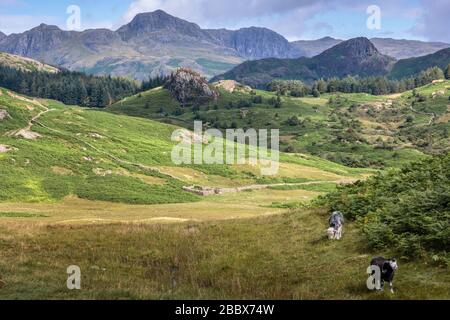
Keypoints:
(336, 221)
(388, 267)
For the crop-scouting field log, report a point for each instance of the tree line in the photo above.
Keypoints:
(349, 84)
(155, 82)
(73, 88)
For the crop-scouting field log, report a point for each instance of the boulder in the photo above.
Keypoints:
(190, 88)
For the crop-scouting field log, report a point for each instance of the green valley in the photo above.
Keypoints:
(358, 130)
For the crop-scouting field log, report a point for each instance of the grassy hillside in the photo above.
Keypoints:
(51, 151)
(358, 130)
(25, 64)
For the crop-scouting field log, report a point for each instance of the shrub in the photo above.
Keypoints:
(407, 210)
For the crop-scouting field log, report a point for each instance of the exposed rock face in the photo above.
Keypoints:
(162, 26)
(255, 43)
(188, 87)
(4, 114)
(35, 42)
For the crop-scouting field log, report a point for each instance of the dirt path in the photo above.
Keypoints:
(432, 114)
(206, 191)
(26, 132)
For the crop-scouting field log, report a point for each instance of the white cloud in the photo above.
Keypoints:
(217, 13)
(434, 21)
(287, 17)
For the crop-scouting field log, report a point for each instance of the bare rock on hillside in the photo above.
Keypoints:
(232, 86)
(4, 114)
(27, 134)
(190, 88)
(4, 148)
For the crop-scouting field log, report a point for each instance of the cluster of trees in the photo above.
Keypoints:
(155, 82)
(447, 72)
(371, 85)
(68, 87)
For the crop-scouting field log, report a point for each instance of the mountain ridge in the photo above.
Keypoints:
(151, 44)
(356, 56)
(155, 43)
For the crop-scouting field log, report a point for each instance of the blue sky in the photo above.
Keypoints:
(295, 19)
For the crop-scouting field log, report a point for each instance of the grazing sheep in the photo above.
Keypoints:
(336, 221)
(387, 268)
(334, 234)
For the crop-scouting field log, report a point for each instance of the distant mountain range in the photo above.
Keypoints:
(155, 43)
(355, 57)
(409, 67)
(399, 49)
(151, 44)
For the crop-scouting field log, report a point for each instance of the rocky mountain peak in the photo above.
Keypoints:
(46, 28)
(360, 48)
(145, 24)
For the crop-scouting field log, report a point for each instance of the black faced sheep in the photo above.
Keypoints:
(387, 269)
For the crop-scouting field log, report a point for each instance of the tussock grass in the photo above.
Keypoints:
(277, 257)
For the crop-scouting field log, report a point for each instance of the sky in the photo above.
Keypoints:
(295, 19)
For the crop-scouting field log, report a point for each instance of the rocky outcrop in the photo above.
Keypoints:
(190, 88)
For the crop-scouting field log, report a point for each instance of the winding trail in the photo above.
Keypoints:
(26, 132)
(432, 114)
(206, 191)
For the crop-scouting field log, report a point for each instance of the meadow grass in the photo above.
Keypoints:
(277, 257)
